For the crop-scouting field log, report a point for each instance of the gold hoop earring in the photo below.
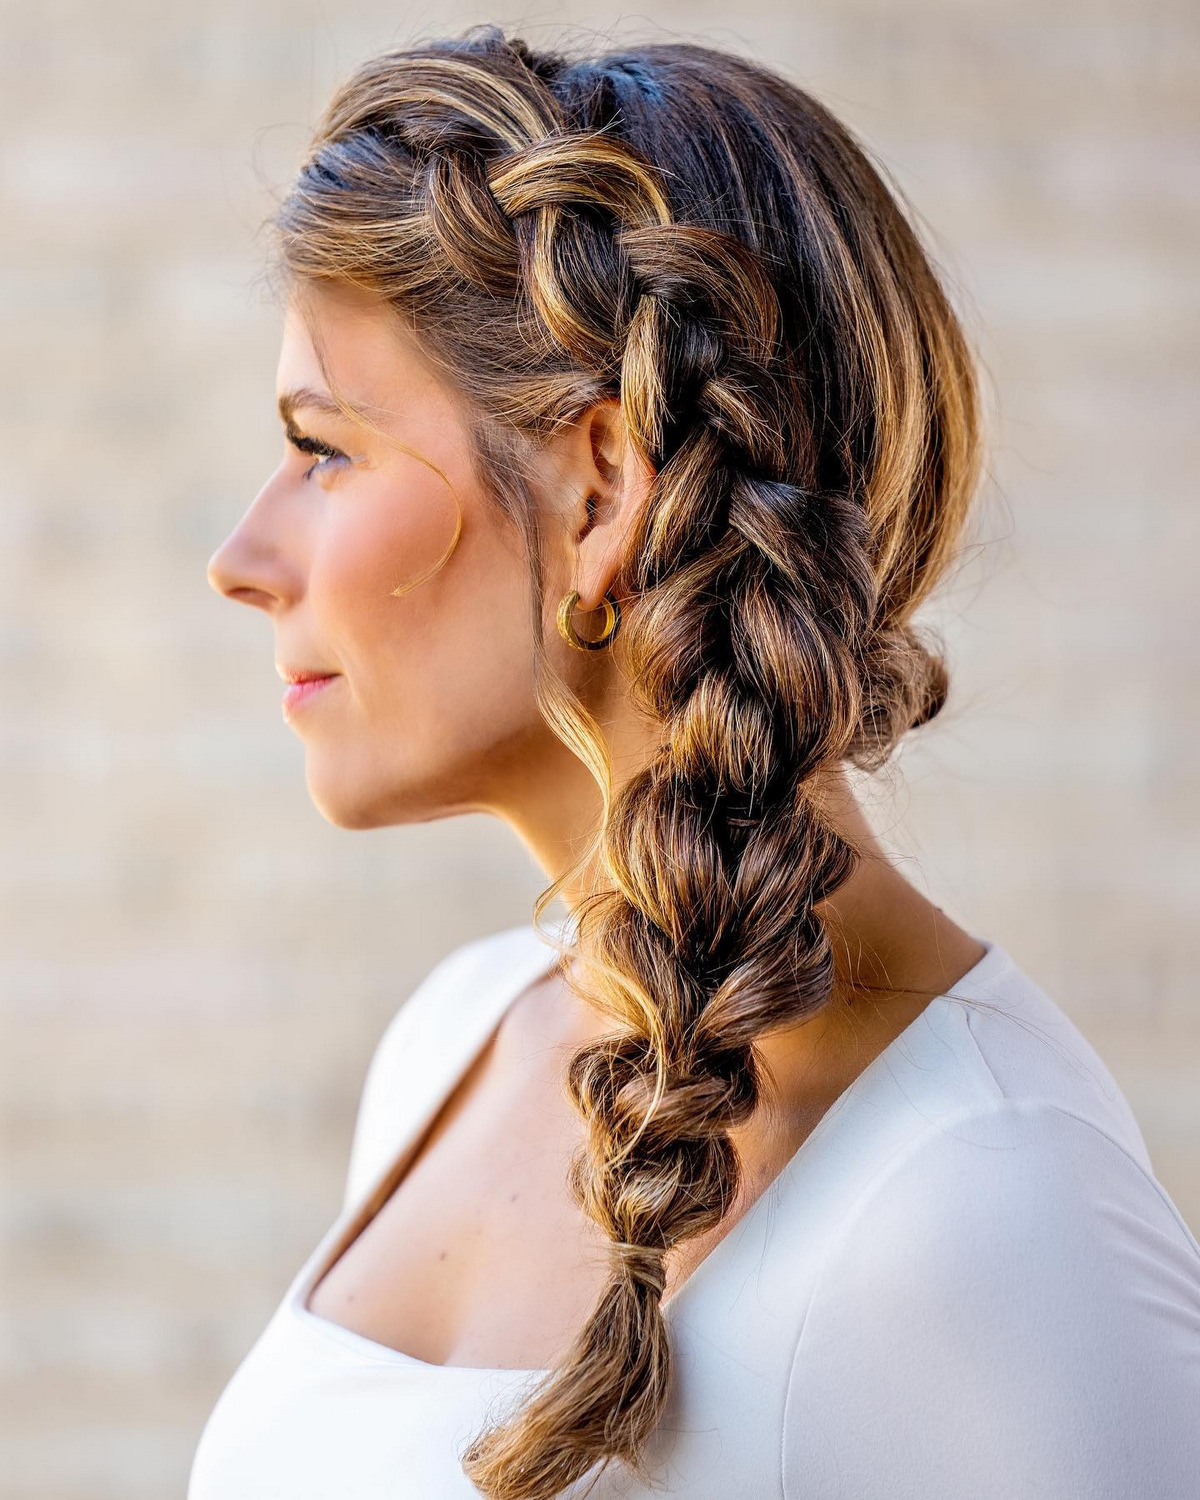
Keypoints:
(612, 619)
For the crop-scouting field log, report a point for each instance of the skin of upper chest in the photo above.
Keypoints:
(480, 1257)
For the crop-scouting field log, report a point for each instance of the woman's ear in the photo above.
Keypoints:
(615, 482)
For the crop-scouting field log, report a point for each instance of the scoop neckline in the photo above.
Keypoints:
(994, 959)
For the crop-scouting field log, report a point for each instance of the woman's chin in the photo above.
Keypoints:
(339, 800)
(347, 802)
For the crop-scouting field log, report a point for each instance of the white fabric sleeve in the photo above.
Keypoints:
(1010, 1312)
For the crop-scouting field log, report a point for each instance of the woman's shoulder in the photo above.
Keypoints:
(1030, 1300)
(994, 1047)
(1028, 1051)
(430, 1032)
(988, 1113)
(996, 1090)
(1028, 1292)
(468, 973)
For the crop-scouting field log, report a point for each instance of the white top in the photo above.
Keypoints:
(966, 1283)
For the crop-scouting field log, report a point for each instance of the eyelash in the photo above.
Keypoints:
(315, 447)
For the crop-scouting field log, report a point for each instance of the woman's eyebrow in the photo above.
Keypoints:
(304, 396)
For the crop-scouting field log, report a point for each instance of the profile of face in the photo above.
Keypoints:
(430, 709)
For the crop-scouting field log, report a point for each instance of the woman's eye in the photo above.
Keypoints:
(325, 455)
(325, 461)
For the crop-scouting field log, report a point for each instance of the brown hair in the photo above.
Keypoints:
(686, 232)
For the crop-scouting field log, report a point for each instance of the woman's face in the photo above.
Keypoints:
(430, 709)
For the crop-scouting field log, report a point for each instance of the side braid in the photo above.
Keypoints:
(750, 594)
(690, 234)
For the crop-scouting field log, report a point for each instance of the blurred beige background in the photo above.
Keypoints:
(195, 966)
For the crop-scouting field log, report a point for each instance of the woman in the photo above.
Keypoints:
(627, 427)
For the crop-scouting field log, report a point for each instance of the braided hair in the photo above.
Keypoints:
(688, 233)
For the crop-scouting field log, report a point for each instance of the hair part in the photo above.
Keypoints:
(688, 233)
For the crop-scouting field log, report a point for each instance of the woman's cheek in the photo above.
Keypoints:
(377, 541)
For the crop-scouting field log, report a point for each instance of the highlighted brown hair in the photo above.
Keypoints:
(686, 232)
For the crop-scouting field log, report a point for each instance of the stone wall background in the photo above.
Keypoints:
(194, 967)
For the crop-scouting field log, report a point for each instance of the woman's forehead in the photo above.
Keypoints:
(356, 344)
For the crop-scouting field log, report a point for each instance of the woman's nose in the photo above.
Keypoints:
(231, 573)
(248, 566)
(224, 582)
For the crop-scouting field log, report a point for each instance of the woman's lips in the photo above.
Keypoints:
(301, 692)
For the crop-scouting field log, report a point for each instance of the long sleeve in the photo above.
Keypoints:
(1011, 1311)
